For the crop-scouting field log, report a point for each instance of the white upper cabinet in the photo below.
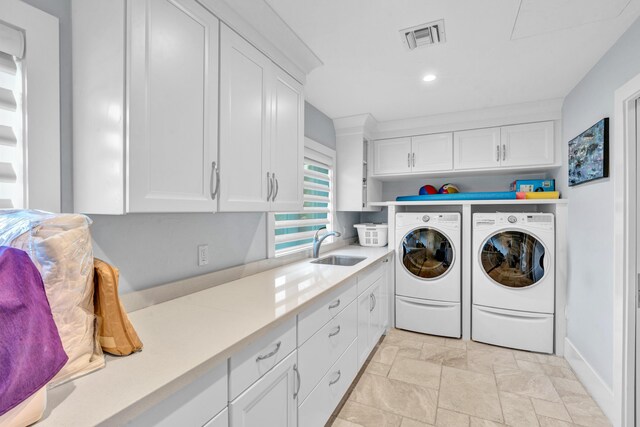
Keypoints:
(476, 149)
(173, 107)
(432, 153)
(527, 145)
(245, 125)
(287, 151)
(392, 156)
(261, 131)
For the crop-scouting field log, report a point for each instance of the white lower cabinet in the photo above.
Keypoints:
(220, 420)
(370, 326)
(317, 408)
(270, 401)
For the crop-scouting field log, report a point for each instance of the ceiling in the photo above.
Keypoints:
(497, 52)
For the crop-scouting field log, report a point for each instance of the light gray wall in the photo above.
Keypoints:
(590, 280)
(61, 9)
(318, 126)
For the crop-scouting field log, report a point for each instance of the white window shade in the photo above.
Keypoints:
(12, 159)
(294, 230)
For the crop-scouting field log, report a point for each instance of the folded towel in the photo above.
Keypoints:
(31, 352)
(115, 331)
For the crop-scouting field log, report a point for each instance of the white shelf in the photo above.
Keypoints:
(474, 202)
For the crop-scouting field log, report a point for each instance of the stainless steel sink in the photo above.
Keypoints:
(339, 260)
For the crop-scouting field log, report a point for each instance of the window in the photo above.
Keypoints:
(293, 231)
(29, 108)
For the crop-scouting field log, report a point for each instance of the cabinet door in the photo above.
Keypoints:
(375, 313)
(527, 145)
(392, 156)
(244, 124)
(173, 104)
(432, 153)
(287, 143)
(364, 307)
(269, 401)
(476, 149)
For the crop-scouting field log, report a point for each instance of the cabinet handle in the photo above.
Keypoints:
(295, 369)
(332, 382)
(334, 304)
(271, 354)
(408, 160)
(268, 186)
(275, 193)
(335, 332)
(372, 302)
(385, 260)
(216, 171)
(497, 153)
(504, 152)
(413, 159)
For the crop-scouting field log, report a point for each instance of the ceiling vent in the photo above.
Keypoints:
(423, 35)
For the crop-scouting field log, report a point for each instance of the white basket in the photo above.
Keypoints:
(370, 234)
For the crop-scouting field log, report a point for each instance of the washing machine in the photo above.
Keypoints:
(428, 283)
(513, 280)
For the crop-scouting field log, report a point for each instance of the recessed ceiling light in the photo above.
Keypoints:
(429, 78)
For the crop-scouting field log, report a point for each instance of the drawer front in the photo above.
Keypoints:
(317, 408)
(314, 318)
(195, 404)
(220, 420)
(369, 276)
(253, 362)
(317, 355)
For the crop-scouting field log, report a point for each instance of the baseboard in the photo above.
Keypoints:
(597, 388)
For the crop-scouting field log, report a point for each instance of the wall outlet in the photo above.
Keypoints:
(203, 255)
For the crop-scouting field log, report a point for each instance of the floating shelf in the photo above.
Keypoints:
(474, 202)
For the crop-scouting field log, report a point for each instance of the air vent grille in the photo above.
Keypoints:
(423, 35)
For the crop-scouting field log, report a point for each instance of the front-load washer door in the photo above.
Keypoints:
(514, 270)
(428, 266)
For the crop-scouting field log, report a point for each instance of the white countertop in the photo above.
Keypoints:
(186, 336)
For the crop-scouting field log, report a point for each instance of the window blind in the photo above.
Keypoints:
(12, 194)
(294, 230)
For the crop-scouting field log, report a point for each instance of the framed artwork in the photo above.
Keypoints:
(589, 154)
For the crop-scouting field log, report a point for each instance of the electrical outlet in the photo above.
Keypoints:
(203, 255)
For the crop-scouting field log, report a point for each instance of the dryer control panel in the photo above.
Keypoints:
(449, 219)
(519, 219)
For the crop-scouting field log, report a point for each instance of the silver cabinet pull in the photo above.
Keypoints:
(268, 186)
(497, 153)
(334, 304)
(335, 331)
(214, 171)
(408, 160)
(385, 260)
(332, 382)
(371, 306)
(413, 158)
(504, 152)
(275, 193)
(375, 301)
(297, 371)
(270, 354)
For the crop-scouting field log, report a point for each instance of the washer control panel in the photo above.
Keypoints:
(426, 218)
(512, 219)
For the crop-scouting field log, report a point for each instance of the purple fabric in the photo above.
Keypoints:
(31, 352)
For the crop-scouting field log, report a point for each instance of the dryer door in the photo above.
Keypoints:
(426, 254)
(514, 259)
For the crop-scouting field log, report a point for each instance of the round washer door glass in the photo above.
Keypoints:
(427, 253)
(513, 258)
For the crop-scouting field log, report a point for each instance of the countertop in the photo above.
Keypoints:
(186, 336)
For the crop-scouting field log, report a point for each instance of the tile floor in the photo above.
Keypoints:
(416, 380)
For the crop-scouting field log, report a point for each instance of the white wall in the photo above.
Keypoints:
(590, 278)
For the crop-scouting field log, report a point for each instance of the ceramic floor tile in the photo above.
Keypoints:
(339, 422)
(567, 387)
(549, 359)
(408, 422)
(366, 416)
(385, 354)
(446, 418)
(584, 411)
(536, 367)
(376, 368)
(418, 372)
(552, 422)
(479, 422)
(518, 410)
(551, 409)
(526, 355)
(471, 393)
(398, 397)
(447, 356)
(455, 343)
(528, 384)
(484, 361)
(559, 371)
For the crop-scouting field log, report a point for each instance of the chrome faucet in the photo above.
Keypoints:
(318, 241)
